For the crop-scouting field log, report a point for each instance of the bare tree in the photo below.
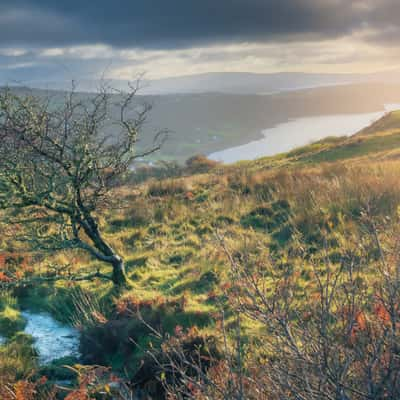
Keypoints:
(59, 161)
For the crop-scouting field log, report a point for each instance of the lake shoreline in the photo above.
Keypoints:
(284, 137)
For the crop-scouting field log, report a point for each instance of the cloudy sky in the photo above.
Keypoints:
(75, 39)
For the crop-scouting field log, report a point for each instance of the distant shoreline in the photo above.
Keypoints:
(299, 132)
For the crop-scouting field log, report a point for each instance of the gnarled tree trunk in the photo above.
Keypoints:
(118, 274)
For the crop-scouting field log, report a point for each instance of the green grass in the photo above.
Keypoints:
(290, 209)
(17, 357)
(381, 138)
(356, 148)
(11, 321)
(388, 122)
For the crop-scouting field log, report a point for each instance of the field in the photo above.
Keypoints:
(182, 238)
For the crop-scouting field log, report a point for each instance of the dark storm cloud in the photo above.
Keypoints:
(180, 23)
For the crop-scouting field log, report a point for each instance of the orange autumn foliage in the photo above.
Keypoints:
(361, 321)
(14, 266)
(25, 390)
(382, 314)
(80, 394)
(4, 277)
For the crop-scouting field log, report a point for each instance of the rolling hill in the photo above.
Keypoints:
(209, 122)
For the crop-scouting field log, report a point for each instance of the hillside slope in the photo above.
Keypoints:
(379, 141)
(296, 209)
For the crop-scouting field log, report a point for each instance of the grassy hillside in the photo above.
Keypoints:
(378, 141)
(299, 209)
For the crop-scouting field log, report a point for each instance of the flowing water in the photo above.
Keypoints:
(300, 132)
(52, 340)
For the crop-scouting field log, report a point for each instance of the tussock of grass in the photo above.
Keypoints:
(17, 358)
(11, 320)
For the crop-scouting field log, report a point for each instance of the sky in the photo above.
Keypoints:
(121, 39)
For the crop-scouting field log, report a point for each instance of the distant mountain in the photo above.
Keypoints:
(233, 82)
(247, 83)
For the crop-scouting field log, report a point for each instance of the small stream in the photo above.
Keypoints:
(52, 339)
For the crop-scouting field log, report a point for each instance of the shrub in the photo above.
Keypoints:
(181, 353)
(200, 164)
